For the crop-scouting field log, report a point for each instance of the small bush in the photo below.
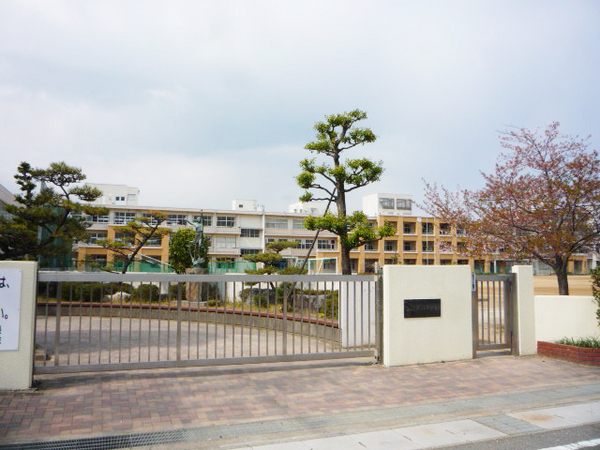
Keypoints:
(85, 292)
(173, 290)
(261, 298)
(146, 293)
(587, 342)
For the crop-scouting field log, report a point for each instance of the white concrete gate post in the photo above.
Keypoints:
(18, 282)
(426, 314)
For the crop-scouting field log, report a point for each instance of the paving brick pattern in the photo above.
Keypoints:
(86, 405)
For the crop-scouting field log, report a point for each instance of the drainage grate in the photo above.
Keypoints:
(104, 442)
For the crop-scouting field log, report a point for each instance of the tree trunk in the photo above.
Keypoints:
(126, 265)
(346, 263)
(561, 275)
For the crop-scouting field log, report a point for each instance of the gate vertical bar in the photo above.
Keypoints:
(379, 315)
(474, 312)
(57, 329)
(178, 349)
(285, 319)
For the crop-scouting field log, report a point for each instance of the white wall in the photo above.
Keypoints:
(429, 339)
(16, 366)
(560, 316)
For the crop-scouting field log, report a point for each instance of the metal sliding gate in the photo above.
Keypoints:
(492, 312)
(102, 321)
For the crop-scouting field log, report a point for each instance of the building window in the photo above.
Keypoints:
(445, 229)
(154, 241)
(249, 232)
(389, 246)
(224, 241)
(445, 262)
(329, 265)
(410, 246)
(226, 221)
(386, 203)
(124, 217)
(298, 224)
(460, 231)
(403, 203)
(461, 247)
(326, 244)
(97, 219)
(250, 251)
(305, 244)
(427, 246)
(121, 236)
(98, 259)
(176, 219)
(371, 246)
(427, 228)
(409, 228)
(276, 222)
(463, 262)
(206, 220)
(410, 262)
(428, 262)
(149, 219)
(95, 235)
(371, 265)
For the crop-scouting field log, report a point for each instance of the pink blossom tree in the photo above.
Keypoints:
(541, 202)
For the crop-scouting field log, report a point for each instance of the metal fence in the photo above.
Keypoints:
(492, 314)
(102, 321)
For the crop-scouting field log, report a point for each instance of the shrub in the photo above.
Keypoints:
(587, 342)
(261, 298)
(146, 293)
(173, 289)
(85, 292)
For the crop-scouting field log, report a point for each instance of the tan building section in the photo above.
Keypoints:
(426, 241)
(247, 229)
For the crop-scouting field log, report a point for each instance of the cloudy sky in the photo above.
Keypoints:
(200, 102)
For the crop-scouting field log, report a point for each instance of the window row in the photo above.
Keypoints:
(399, 203)
(282, 223)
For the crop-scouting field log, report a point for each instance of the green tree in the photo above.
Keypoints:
(181, 250)
(133, 236)
(48, 214)
(271, 259)
(333, 181)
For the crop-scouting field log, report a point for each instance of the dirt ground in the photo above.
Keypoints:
(547, 285)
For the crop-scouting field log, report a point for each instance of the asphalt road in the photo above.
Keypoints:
(565, 439)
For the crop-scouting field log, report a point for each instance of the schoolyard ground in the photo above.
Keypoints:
(547, 285)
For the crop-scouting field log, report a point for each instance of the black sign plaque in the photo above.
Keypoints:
(422, 307)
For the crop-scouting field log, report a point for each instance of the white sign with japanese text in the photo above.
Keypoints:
(10, 308)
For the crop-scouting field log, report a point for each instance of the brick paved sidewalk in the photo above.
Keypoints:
(108, 404)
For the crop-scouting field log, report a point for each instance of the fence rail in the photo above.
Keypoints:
(104, 321)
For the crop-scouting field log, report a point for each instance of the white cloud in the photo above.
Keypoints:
(162, 95)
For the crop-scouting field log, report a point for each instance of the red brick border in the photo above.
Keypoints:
(581, 355)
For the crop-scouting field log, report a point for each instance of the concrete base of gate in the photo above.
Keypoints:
(18, 281)
(446, 336)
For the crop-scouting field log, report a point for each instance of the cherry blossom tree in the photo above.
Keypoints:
(541, 202)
